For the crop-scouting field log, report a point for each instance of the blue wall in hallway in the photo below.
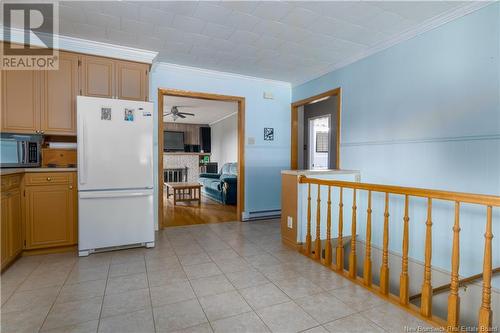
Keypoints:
(263, 160)
(426, 113)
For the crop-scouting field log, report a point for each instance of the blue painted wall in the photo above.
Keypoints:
(426, 113)
(263, 160)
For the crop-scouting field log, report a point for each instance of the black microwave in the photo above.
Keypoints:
(19, 150)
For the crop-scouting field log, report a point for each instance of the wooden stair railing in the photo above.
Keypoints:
(425, 311)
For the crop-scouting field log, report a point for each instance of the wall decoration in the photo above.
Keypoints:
(269, 134)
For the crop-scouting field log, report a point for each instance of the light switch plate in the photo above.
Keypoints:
(251, 140)
(290, 222)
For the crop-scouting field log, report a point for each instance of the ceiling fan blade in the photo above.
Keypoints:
(186, 113)
(168, 113)
(181, 116)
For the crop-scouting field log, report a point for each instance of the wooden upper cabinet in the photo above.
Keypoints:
(20, 101)
(131, 80)
(45, 101)
(98, 79)
(59, 91)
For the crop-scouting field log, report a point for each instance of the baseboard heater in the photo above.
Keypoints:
(261, 215)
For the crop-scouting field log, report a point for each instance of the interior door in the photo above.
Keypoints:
(59, 96)
(115, 144)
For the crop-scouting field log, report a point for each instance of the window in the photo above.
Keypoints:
(322, 142)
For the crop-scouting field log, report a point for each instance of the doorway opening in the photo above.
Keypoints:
(201, 157)
(315, 141)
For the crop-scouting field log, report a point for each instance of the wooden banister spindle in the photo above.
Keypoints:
(453, 298)
(317, 242)
(485, 313)
(426, 302)
(367, 267)
(328, 246)
(340, 241)
(308, 232)
(384, 269)
(404, 279)
(352, 254)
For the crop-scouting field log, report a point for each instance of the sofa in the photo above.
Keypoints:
(222, 186)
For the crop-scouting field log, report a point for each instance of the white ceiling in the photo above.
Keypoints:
(288, 41)
(205, 111)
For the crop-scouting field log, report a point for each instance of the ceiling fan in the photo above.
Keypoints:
(174, 111)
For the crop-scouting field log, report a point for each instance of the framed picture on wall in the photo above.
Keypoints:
(268, 134)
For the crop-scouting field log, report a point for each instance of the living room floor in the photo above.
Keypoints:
(189, 213)
(224, 277)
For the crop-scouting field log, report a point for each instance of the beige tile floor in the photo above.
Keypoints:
(229, 277)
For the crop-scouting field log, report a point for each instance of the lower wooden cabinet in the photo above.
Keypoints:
(12, 233)
(39, 213)
(15, 226)
(50, 209)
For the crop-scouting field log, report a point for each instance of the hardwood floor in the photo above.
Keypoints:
(190, 213)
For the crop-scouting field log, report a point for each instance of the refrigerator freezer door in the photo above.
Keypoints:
(115, 144)
(114, 218)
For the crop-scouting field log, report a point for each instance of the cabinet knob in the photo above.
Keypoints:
(71, 187)
(49, 179)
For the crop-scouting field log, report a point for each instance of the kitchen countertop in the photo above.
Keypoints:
(11, 171)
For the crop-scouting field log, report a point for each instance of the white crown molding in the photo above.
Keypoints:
(404, 36)
(91, 47)
(223, 118)
(169, 66)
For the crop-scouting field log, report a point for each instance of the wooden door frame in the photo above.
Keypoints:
(162, 92)
(295, 124)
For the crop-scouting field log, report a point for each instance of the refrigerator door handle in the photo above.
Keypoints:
(96, 195)
(82, 174)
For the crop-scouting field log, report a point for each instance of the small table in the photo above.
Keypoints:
(184, 191)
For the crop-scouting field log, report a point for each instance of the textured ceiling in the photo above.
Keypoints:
(205, 111)
(289, 41)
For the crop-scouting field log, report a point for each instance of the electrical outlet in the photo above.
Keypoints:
(290, 222)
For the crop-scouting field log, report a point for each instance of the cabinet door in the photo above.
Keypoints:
(59, 91)
(49, 216)
(98, 77)
(5, 231)
(20, 101)
(131, 80)
(15, 223)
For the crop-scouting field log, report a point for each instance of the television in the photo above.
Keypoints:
(173, 141)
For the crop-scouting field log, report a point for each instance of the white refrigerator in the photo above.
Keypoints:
(115, 174)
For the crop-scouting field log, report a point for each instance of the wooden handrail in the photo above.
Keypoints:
(461, 283)
(427, 291)
(480, 199)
